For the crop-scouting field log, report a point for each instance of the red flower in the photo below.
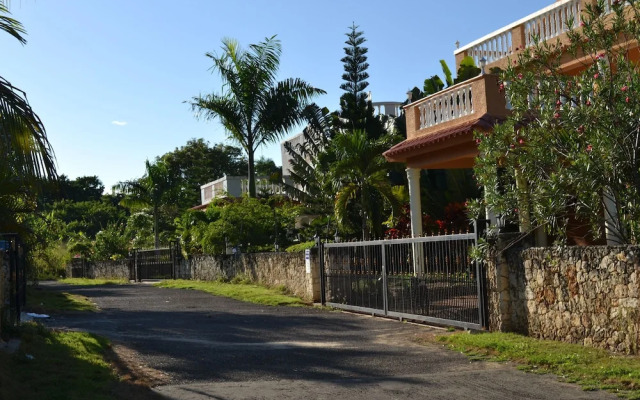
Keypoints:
(519, 76)
(478, 141)
(627, 99)
(589, 148)
(588, 102)
(580, 129)
(624, 88)
(512, 146)
(556, 115)
(501, 87)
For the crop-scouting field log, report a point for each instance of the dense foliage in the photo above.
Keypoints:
(570, 152)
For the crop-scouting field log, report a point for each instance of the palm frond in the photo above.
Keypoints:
(10, 25)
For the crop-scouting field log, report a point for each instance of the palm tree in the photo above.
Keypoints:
(360, 174)
(26, 156)
(254, 108)
(153, 190)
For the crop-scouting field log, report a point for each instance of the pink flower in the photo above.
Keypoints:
(521, 141)
(556, 115)
(589, 148)
(596, 75)
(478, 141)
(558, 103)
(581, 23)
(588, 102)
(624, 88)
(627, 99)
(512, 146)
(501, 87)
(519, 76)
(580, 129)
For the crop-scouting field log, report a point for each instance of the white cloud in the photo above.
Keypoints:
(119, 123)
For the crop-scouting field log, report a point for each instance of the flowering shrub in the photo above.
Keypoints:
(572, 139)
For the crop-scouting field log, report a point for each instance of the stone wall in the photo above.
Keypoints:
(587, 295)
(109, 269)
(270, 269)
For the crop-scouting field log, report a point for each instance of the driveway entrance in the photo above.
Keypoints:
(209, 347)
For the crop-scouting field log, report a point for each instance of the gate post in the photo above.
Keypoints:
(323, 296)
(385, 289)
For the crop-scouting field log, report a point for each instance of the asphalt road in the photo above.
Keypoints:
(199, 346)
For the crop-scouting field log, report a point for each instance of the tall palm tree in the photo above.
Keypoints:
(153, 190)
(26, 156)
(360, 174)
(254, 107)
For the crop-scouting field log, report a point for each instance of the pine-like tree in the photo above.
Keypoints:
(356, 109)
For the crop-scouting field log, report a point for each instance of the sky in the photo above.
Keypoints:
(111, 79)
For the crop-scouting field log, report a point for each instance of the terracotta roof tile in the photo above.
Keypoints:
(485, 122)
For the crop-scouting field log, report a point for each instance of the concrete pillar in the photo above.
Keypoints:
(524, 214)
(413, 176)
(612, 227)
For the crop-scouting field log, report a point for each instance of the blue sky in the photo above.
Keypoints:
(109, 78)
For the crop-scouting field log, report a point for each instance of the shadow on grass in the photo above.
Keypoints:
(65, 365)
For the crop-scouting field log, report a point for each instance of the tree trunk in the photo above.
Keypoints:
(155, 227)
(251, 174)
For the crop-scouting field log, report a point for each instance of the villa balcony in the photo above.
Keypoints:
(550, 23)
(440, 127)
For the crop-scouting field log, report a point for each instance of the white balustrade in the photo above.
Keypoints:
(553, 22)
(494, 48)
(545, 24)
(453, 103)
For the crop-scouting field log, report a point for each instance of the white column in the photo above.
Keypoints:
(413, 177)
(612, 228)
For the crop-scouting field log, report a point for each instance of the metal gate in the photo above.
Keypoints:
(430, 279)
(156, 263)
(13, 277)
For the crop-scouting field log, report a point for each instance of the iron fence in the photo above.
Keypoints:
(14, 277)
(429, 278)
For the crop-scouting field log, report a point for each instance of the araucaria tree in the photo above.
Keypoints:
(570, 151)
(254, 107)
(356, 110)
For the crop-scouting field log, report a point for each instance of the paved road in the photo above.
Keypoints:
(207, 347)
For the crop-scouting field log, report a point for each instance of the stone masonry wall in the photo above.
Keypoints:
(587, 295)
(109, 269)
(271, 269)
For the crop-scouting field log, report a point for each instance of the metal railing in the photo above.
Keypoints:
(430, 279)
(155, 263)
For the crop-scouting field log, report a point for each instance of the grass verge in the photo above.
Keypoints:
(62, 365)
(590, 368)
(240, 291)
(44, 301)
(92, 282)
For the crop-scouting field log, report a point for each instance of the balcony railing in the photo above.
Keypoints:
(462, 103)
(447, 106)
(548, 23)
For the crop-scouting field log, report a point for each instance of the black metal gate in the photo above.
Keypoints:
(430, 279)
(13, 292)
(156, 263)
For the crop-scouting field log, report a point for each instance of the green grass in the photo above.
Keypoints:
(91, 282)
(60, 365)
(588, 367)
(44, 301)
(56, 365)
(240, 291)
